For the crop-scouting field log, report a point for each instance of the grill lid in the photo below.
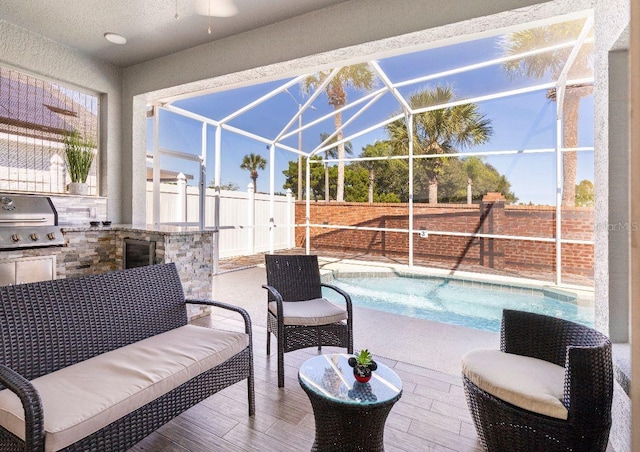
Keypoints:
(27, 210)
(28, 221)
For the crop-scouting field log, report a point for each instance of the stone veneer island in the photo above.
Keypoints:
(94, 250)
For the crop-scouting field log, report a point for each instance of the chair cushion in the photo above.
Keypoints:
(529, 383)
(318, 311)
(85, 397)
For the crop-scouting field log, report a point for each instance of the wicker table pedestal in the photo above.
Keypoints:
(349, 415)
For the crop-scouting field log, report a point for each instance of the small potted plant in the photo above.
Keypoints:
(363, 364)
(79, 156)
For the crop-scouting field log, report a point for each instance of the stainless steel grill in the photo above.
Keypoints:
(28, 221)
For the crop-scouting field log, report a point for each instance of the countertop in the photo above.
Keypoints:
(156, 229)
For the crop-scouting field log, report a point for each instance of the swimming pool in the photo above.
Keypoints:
(472, 304)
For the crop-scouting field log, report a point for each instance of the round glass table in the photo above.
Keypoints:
(349, 415)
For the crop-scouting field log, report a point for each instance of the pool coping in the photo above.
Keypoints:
(335, 268)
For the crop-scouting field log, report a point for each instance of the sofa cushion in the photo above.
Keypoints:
(318, 311)
(80, 399)
(529, 383)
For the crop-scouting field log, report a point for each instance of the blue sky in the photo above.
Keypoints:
(521, 122)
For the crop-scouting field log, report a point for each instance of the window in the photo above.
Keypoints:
(35, 116)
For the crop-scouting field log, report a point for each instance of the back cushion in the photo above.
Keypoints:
(49, 325)
(296, 277)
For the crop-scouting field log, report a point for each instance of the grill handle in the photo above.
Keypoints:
(24, 220)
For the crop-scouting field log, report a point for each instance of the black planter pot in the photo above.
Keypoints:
(360, 372)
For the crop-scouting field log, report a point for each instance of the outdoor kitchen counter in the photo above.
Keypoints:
(99, 249)
(149, 228)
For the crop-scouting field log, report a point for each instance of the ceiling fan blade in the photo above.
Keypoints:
(216, 8)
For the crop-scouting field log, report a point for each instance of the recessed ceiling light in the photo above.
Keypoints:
(115, 38)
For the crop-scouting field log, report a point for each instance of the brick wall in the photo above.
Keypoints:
(524, 256)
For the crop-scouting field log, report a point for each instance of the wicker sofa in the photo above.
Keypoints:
(99, 362)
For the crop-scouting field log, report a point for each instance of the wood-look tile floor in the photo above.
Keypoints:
(431, 415)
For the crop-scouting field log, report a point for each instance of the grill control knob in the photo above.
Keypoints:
(16, 237)
(51, 235)
(34, 236)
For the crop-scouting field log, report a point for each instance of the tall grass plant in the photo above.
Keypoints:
(79, 154)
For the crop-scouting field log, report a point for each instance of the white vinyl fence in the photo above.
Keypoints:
(244, 225)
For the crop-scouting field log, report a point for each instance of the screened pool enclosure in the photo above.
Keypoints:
(477, 154)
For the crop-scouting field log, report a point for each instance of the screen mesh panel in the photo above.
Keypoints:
(35, 115)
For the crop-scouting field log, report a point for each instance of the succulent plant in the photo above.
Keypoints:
(363, 358)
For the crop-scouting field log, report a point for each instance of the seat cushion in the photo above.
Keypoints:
(85, 397)
(529, 383)
(318, 311)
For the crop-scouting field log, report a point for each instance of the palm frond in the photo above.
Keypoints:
(548, 63)
(253, 162)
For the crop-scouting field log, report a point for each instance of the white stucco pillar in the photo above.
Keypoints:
(181, 205)
(251, 219)
(290, 219)
(57, 174)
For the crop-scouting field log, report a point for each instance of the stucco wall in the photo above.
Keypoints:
(611, 272)
(608, 29)
(32, 53)
(619, 225)
(611, 167)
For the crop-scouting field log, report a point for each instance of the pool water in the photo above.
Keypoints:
(449, 301)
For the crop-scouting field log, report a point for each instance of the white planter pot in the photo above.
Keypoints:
(78, 188)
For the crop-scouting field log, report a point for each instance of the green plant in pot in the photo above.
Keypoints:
(363, 365)
(79, 155)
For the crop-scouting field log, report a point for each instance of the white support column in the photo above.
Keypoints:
(181, 207)
(216, 213)
(251, 219)
(561, 87)
(290, 218)
(202, 186)
(202, 196)
(272, 201)
(559, 165)
(156, 165)
(409, 120)
(307, 209)
(634, 78)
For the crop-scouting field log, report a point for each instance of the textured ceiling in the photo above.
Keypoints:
(150, 26)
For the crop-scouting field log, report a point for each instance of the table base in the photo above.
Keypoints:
(341, 427)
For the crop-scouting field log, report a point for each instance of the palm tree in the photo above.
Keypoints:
(379, 149)
(358, 76)
(332, 153)
(551, 64)
(441, 131)
(253, 163)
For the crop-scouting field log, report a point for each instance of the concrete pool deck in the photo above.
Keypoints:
(434, 345)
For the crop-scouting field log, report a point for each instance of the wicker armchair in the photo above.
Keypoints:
(581, 360)
(297, 313)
